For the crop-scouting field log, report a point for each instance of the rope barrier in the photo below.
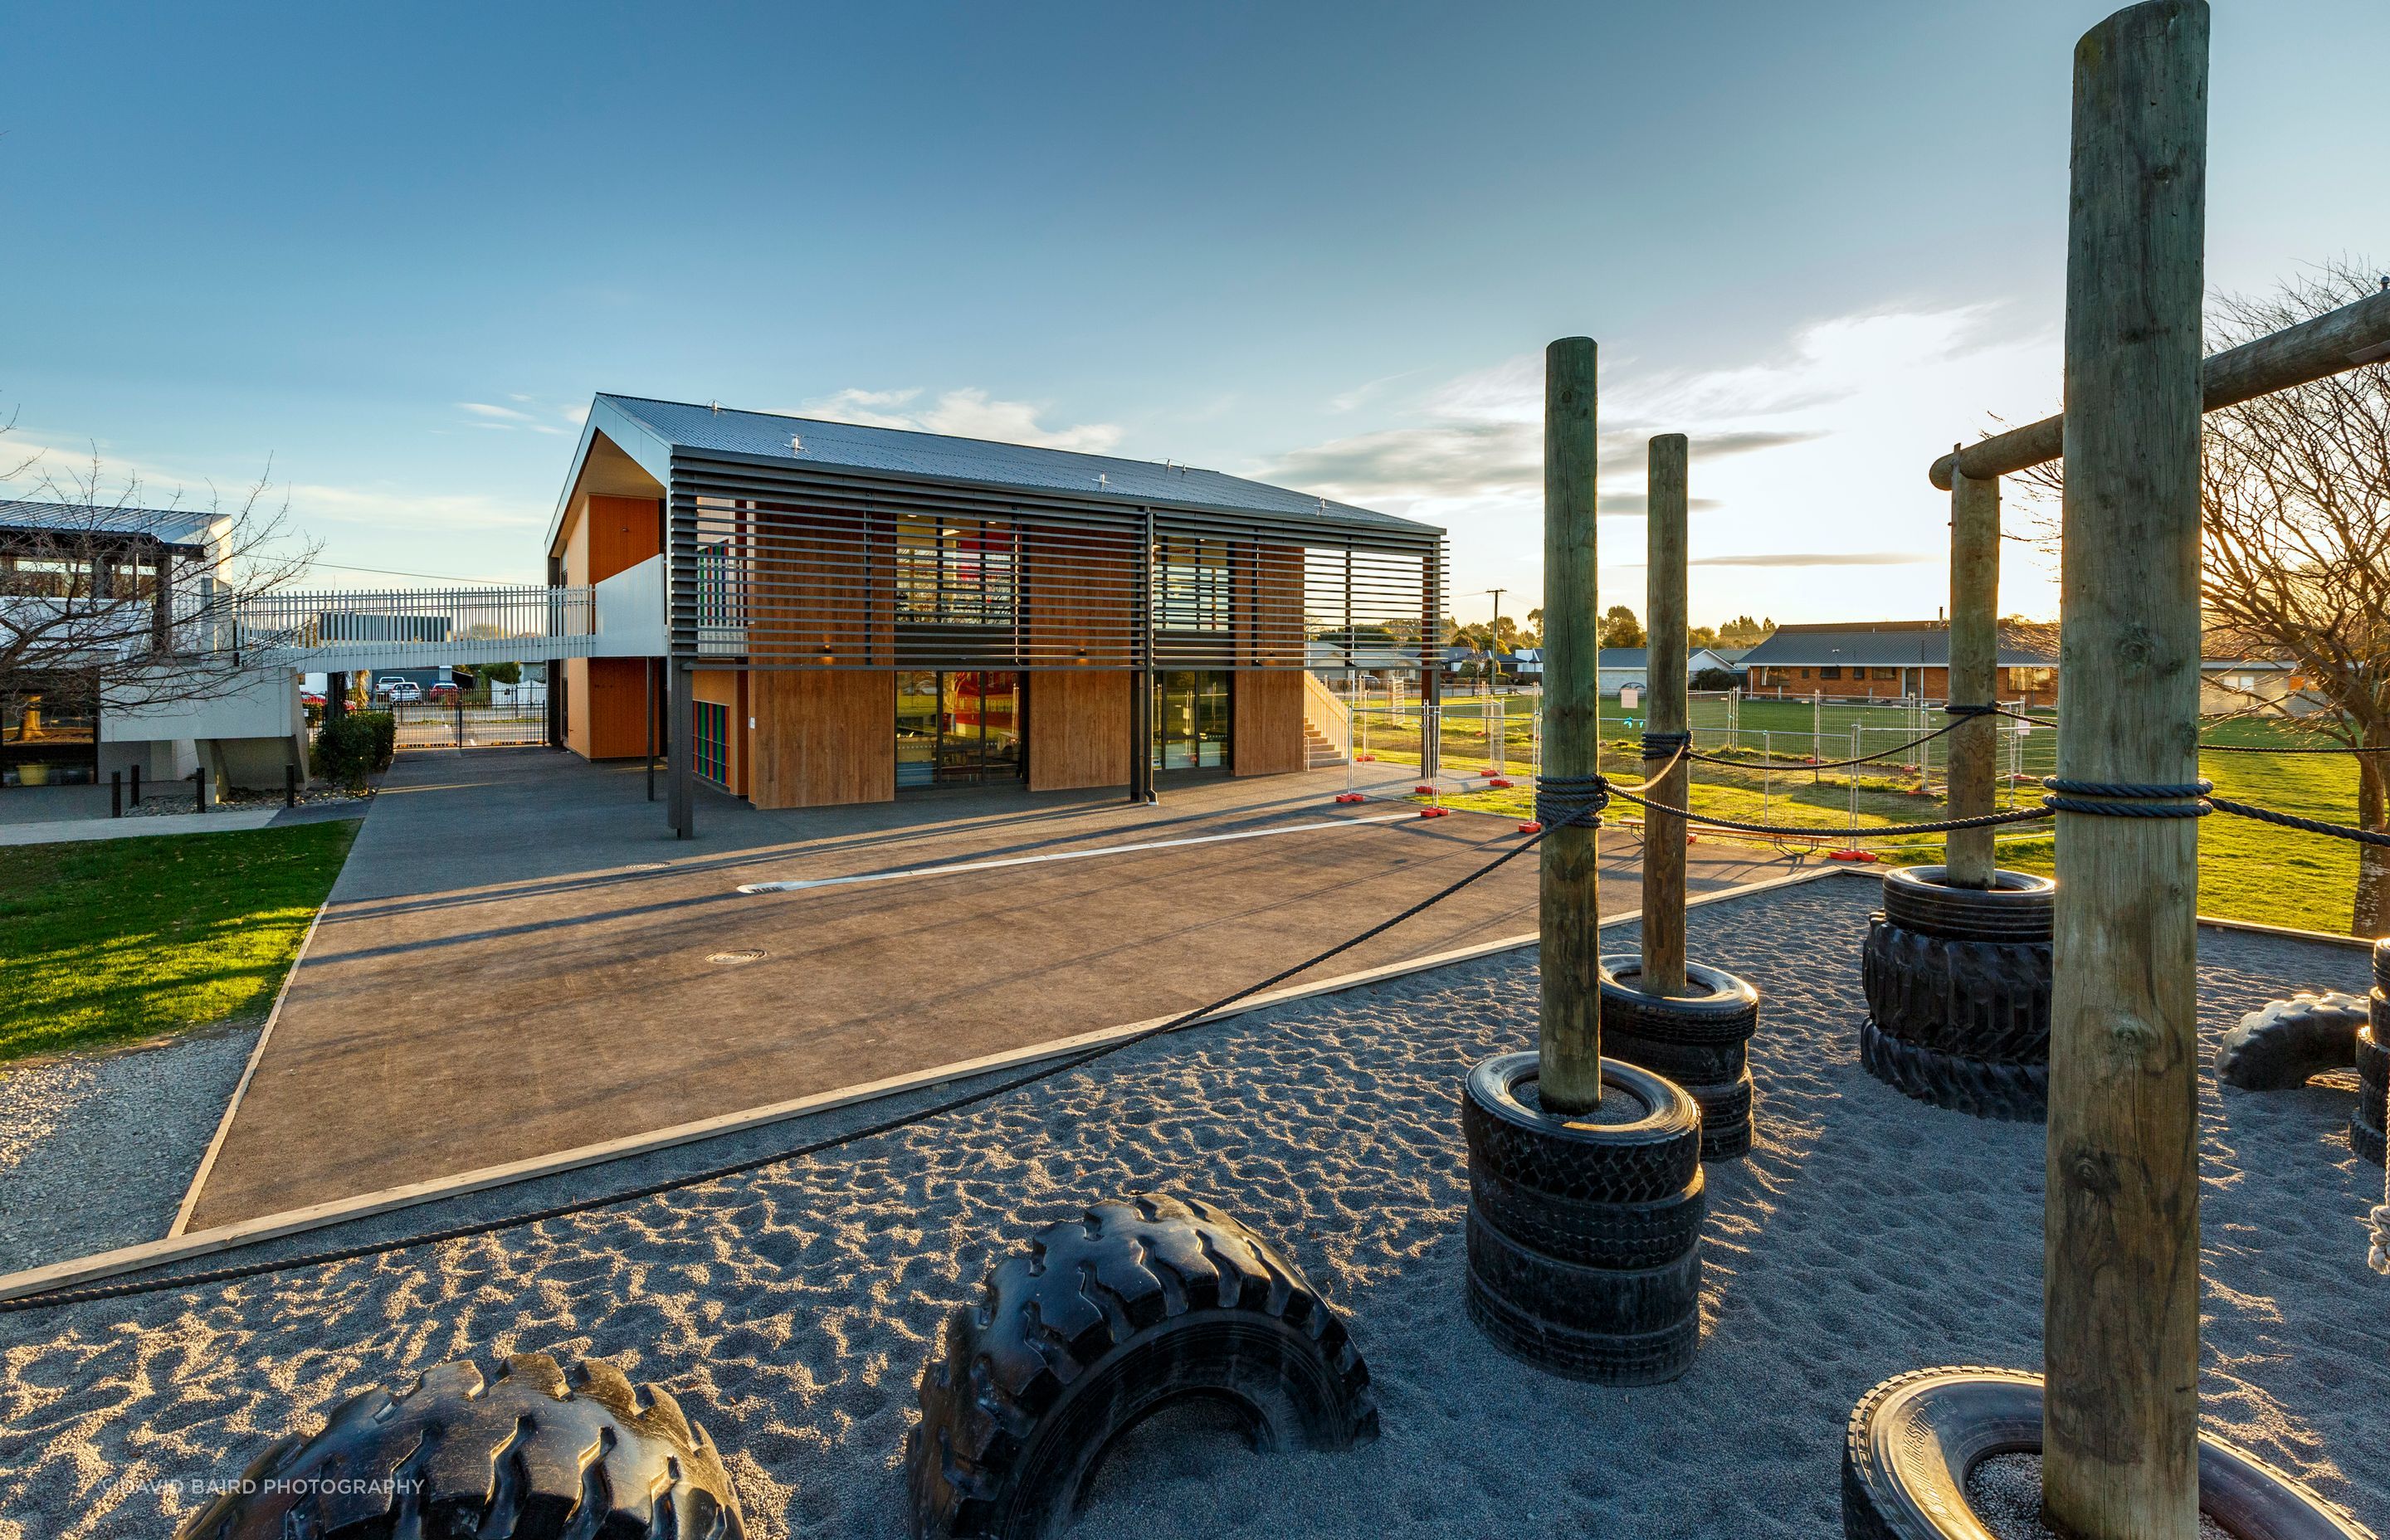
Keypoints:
(2307, 825)
(2253, 749)
(1877, 831)
(2126, 799)
(54, 1298)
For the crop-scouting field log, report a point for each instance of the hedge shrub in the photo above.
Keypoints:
(352, 746)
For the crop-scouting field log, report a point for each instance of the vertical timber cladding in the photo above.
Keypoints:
(1265, 702)
(817, 581)
(608, 696)
(1077, 610)
(817, 634)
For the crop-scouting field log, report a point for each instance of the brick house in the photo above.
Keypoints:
(1889, 660)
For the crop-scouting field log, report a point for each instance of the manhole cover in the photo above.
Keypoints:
(736, 957)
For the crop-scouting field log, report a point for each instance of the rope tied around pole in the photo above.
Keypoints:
(1964, 711)
(1565, 801)
(2127, 799)
(1666, 745)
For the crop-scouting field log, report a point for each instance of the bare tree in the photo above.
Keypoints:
(123, 603)
(2295, 509)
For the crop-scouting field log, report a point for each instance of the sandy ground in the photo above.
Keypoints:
(98, 1150)
(791, 1309)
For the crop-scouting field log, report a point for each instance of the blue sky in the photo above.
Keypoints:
(396, 250)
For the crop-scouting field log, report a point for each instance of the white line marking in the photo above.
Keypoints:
(799, 885)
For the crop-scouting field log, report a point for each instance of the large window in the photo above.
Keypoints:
(1190, 719)
(959, 574)
(1193, 585)
(959, 728)
(50, 731)
(713, 742)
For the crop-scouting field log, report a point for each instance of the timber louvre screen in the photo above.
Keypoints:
(817, 568)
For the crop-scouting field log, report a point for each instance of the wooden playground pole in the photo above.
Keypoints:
(2121, 1214)
(1974, 664)
(1568, 1043)
(1670, 711)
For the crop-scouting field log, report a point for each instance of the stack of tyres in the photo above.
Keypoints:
(1957, 992)
(1699, 1040)
(1585, 1232)
(2368, 1121)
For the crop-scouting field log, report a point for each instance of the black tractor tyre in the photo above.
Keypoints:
(1515, 1145)
(2283, 1044)
(1686, 1063)
(1727, 1011)
(1981, 999)
(2381, 964)
(1095, 1324)
(2368, 1144)
(533, 1454)
(2018, 906)
(2371, 1059)
(2017, 1093)
(1565, 1329)
(1595, 1234)
(1725, 1118)
(1913, 1441)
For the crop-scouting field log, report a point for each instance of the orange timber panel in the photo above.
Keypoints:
(823, 736)
(610, 715)
(1075, 588)
(1078, 730)
(623, 532)
(1265, 730)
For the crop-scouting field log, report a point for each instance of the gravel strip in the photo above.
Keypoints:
(96, 1149)
(790, 1309)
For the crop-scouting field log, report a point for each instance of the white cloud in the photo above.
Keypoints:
(500, 414)
(968, 413)
(1824, 436)
(507, 419)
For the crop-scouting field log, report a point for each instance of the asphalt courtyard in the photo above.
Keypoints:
(518, 960)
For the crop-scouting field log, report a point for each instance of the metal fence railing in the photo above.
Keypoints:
(428, 616)
(458, 725)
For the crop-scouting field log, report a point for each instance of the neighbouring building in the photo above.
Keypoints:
(2227, 684)
(853, 613)
(1889, 660)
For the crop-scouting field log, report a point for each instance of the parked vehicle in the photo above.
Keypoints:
(399, 689)
(441, 692)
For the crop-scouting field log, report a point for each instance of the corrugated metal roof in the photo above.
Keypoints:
(904, 451)
(172, 526)
(1879, 644)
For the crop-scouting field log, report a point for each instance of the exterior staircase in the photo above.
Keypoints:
(1319, 752)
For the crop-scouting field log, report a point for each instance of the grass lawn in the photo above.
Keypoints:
(113, 939)
(2247, 870)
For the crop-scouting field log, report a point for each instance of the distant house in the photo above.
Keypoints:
(2239, 684)
(1704, 660)
(1889, 661)
(1620, 666)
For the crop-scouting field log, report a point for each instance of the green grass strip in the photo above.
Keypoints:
(111, 941)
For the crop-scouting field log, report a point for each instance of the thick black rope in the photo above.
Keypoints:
(2306, 825)
(1872, 831)
(52, 1298)
(2251, 749)
(2125, 799)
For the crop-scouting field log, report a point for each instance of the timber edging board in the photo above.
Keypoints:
(77, 1271)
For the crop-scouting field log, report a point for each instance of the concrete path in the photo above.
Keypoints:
(518, 960)
(220, 821)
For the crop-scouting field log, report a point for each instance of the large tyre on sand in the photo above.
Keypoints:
(1584, 1236)
(2370, 1116)
(1100, 1322)
(1914, 1440)
(1957, 983)
(2015, 1093)
(1701, 1040)
(1981, 999)
(2381, 964)
(2281, 1045)
(2017, 906)
(533, 1454)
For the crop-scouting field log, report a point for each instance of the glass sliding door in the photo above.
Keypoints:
(959, 728)
(1190, 719)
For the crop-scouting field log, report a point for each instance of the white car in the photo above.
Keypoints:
(399, 689)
